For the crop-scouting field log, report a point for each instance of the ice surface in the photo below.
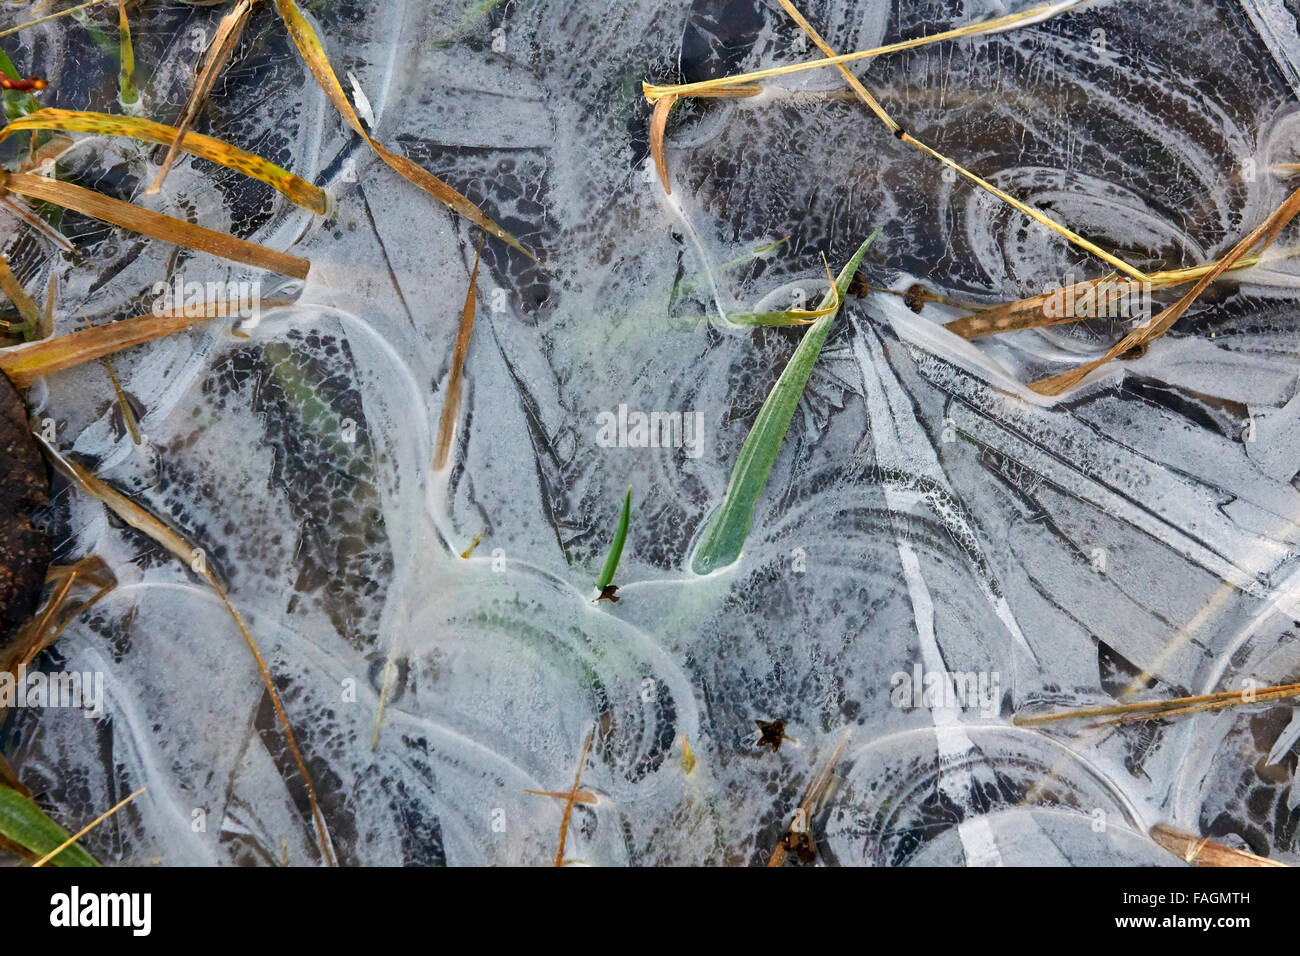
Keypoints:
(925, 508)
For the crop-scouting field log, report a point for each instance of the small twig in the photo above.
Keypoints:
(52, 16)
(1032, 15)
(1156, 709)
(807, 806)
(984, 184)
(86, 829)
(573, 796)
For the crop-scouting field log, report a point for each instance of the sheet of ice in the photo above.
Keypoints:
(925, 509)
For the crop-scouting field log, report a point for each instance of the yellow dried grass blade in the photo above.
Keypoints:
(159, 531)
(897, 130)
(658, 125)
(1024, 18)
(25, 363)
(87, 828)
(52, 16)
(297, 190)
(128, 95)
(794, 316)
(214, 61)
(573, 797)
(854, 83)
(1172, 706)
(468, 552)
(1263, 235)
(1030, 313)
(309, 45)
(1030, 211)
(451, 403)
(18, 295)
(155, 224)
(1203, 851)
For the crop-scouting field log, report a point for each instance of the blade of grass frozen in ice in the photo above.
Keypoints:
(214, 61)
(616, 548)
(688, 756)
(296, 189)
(1203, 851)
(309, 46)
(1026, 17)
(128, 95)
(658, 125)
(25, 363)
(659, 122)
(792, 316)
(52, 16)
(451, 401)
(469, 552)
(26, 824)
(146, 522)
(155, 224)
(724, 536)
(573, 797)
(87, 828)
(1262, 235)
(11, 287)
(1029, 16)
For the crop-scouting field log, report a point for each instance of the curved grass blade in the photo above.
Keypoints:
(26, 824)
(295, 189)
(155, 224)
(659, 122)
(1026, 17)
(725, 534)
(658, 125)
(792, 316)
(309, 45)
(616, 549)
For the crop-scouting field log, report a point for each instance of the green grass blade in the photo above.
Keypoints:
(725, 534)
(23, 822)
(785, 317)
(129, 95)
(616, 549)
